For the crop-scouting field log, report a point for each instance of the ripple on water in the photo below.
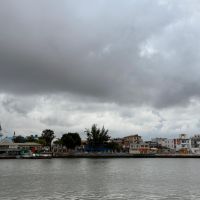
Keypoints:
(89, 179)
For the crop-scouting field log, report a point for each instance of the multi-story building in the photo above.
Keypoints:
(195, 141)
(137, 148)
(153, 144)
(182, 144)
(160, 141)
(195, 144)
(131, 139)
(170, 144)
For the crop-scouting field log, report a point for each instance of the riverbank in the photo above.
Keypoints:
(18, 157)
(93, 155)
(105, 155)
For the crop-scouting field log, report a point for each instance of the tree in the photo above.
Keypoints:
(19, 139)
(47, 136)
(57, 141)
(71, 140)
(41, 141)
(97, 137)
(32, 138)
(114, 146)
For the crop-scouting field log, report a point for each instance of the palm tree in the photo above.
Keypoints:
(97, 137)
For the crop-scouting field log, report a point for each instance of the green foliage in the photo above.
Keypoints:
(41, 141)
(57, 141)
(114, 146)
(31, 138)
(47, 136)
(97, 137)
(19, 139)
(71, 140)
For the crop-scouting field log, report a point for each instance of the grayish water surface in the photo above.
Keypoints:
(100, 179)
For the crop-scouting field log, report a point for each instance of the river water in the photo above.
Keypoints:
(100, 179)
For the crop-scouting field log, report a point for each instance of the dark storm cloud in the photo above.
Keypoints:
(138, 52)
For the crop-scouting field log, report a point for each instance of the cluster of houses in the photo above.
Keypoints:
(8, 148)
(134, 144)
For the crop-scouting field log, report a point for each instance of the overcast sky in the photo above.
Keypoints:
(133, 66)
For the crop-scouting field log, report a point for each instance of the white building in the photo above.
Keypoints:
(182, 143)
(160, 141)
(169, 143)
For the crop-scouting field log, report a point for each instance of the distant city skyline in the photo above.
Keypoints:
(132, 66)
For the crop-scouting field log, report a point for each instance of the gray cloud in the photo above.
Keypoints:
(69, 64)
(135, 52)
(19, 105)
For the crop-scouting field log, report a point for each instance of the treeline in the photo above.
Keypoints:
(96, 138)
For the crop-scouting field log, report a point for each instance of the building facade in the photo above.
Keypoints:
(131, 139)
(182, 144)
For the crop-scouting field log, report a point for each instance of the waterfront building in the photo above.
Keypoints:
(138, 148)
(195, 144)
(170, 144)
(8, 147)
(195, 141)
(182, 144)
(160, 141)
(153, 144)
(131, 139)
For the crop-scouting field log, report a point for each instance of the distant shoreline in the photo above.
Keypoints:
(109, 156)
(129, 156)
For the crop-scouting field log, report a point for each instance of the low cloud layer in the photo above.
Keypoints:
(140, 56)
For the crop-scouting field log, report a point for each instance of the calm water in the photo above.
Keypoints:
(100, 179)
